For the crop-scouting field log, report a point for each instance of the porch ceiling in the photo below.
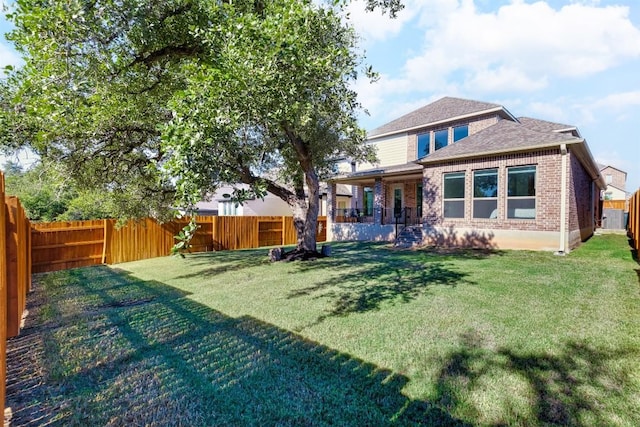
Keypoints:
(409, 171)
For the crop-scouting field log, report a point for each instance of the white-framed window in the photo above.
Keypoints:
(609, 179)
(521, 192)
(441, 138)
(460, 132)
(485, 193)
(228, 208)
(453, 195)
(424, 142)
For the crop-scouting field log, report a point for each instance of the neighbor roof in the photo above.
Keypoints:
(504, 136)
(602, 167)
(446, 109)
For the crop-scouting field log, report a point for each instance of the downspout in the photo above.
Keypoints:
(563, 201)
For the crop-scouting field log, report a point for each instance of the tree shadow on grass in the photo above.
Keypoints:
(363, 277)
(167, 360)
(209, 264)
(568, 388)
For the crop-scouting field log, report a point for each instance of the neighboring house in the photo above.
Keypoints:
(614, 198)
(616, 181)
(220, 203)
(469, 173)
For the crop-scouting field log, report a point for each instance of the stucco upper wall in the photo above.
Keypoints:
(391, 150)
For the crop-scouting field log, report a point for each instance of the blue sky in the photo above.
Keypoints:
(573, 62)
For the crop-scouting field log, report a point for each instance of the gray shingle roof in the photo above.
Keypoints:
(444, 109)
(543, 125)
(502, 137)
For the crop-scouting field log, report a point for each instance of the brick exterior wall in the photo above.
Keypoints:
(412, 148)
(581, 210)
(548, 176)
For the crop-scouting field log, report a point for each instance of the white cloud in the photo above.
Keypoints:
(619, 101)
(518, 47)
(376, 26)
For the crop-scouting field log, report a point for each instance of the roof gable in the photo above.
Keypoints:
(603, 167)
(443, 110)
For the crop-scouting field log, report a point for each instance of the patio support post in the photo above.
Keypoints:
(378, 201)
(331, 202)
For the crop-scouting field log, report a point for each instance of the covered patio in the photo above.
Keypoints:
(382, 198)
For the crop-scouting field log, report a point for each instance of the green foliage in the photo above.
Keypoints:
(183, 238)
(159, 102)
(48, 195)
(41, 189)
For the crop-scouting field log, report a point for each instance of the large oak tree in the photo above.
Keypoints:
(157, 102)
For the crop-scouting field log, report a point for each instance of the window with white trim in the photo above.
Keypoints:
(441, 138)
(424, 140)
(228, 208)
(521, 192)
(460, 132)
(485, 193)
(453, 193)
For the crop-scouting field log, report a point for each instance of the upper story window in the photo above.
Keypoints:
(454, 195)
(521, 194)
(423, 144)
(609, 179)
(441, 138)
(485, 193)
(460, 132)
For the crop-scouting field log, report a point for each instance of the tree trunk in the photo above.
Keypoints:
(305, 214)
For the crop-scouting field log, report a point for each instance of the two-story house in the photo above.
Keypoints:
(469, 173)
(616, 181)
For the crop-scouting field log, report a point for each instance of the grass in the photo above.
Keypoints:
(369, 336)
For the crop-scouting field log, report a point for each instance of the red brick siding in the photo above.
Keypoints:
(548, 176)
(412, 148)
(579, 194)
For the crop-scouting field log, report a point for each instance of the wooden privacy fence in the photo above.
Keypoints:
(15, 273)
(63, 245)
(634, 220)
(614, 204)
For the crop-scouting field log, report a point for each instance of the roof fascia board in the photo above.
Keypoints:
(450, 119)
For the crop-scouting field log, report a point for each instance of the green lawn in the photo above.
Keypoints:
(371, 336)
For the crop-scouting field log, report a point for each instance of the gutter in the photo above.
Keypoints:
(562, 250)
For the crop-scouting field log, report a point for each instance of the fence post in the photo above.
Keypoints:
(13, 317)
(104, 243)
(284, 230)
(3, 292)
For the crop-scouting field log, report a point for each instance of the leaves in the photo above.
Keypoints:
(156, 103)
